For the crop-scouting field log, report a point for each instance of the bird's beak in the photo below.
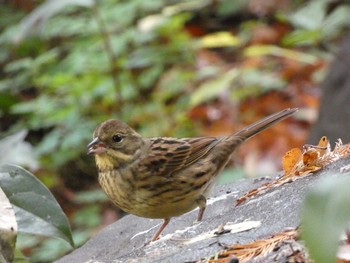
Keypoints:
(96, 146)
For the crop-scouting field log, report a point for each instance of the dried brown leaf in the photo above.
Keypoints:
(262, 247)
(297, 164)
(290, 159)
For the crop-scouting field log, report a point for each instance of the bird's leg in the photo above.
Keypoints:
(202, 203)
(159, 231)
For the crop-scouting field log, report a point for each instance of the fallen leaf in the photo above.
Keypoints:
(297, 164)
(310, 157)
(245, 252)
(290, 159)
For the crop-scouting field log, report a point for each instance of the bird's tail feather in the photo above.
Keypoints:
(263, 124)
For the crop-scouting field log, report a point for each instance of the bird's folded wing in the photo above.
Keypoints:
(167, 155)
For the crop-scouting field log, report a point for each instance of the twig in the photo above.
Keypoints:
(108, 48)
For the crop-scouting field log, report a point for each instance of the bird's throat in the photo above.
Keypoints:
(104, 162)
(112, 160)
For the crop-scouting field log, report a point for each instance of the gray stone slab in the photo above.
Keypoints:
(278, 209)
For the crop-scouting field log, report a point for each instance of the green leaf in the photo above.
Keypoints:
(230, 8)
(336, 21)
(35, 20)
(263, 50)
(325, 215)
(263, 79)
(302, 37)
(310, 16)
(88, 217)
(219, 39)
(37, 211)
(91, 196)
(213, 88)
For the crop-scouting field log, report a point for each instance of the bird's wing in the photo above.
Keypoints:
(167, 155)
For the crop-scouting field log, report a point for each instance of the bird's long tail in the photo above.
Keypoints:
(262, 124)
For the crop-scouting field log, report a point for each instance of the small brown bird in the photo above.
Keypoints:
(163, 177)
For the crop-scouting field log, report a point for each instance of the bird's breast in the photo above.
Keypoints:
(119, 187)
(158, 196)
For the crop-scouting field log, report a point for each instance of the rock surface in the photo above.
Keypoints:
(276, 210)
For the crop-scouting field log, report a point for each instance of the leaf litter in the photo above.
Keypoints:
(299, 163)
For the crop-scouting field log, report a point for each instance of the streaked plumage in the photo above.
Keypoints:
(163, 177)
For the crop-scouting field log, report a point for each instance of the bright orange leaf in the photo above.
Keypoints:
(290, 159)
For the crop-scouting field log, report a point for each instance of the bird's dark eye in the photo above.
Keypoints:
(117, 138)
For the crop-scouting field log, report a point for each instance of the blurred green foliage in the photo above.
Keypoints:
(325, 216)
(71, 74)
(59, 83)
(315, 24)
(124, 59)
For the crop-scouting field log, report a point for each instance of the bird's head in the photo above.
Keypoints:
(114, 143)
